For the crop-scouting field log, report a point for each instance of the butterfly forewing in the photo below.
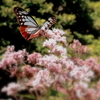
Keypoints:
(24, 18)
(28, 25)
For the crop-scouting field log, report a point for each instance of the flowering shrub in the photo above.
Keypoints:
(73, 76)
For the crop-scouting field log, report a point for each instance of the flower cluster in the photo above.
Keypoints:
(11, 89)
(78, 47)
(55, 70)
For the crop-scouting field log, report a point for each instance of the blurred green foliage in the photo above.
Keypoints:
(80, 19)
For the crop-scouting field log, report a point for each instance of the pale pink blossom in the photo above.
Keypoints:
(11, 57)
(20, 56)
(48, 34)
(67, 63)
(83, 92)
(11, 89)
(42, 80)
(62, 40)
(10, 49)
(47, 59)
(59, 50)
(91, 62)
(78, 61)
(80, 89)
(60, 78)
(77, 73)
(53, 33)
(81, 73)
(53, 67)
(78, 47)
(58, 32)
(51, 43)
(28, 71)
(33, 58)
(14, 71)
(7, 61)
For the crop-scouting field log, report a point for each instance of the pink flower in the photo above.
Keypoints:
(11, 57)
(28, 71)
(51, 43)
(11, 89)
(77, 73)
(80, 89)
(62, 40)
(7, 61)
(10, 49)
(59, 50)
(42, 80)
(53, 67)
(58, 32)
(33, 58)
(78, 61)
(78, 47)
(84, 92)
(14, 71)
(91, 62)
(48, 34)
(47, 59)
(20, 56)
(67, 63)
(53, 33)
(81, 73)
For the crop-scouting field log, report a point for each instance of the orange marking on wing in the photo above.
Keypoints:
(24, 33)
(34, 35)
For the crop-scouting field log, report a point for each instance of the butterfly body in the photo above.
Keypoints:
(28, 26)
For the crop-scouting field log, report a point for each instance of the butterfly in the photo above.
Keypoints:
(29, 28)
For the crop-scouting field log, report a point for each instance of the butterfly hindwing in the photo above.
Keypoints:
(48, 23)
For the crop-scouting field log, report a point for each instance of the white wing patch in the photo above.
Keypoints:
(48, 23)
(31, 19)
(28, 23)
(32, 30)
(45, 25)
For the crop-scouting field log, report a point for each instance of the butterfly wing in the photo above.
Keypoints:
(28, 26)
(46, 25)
